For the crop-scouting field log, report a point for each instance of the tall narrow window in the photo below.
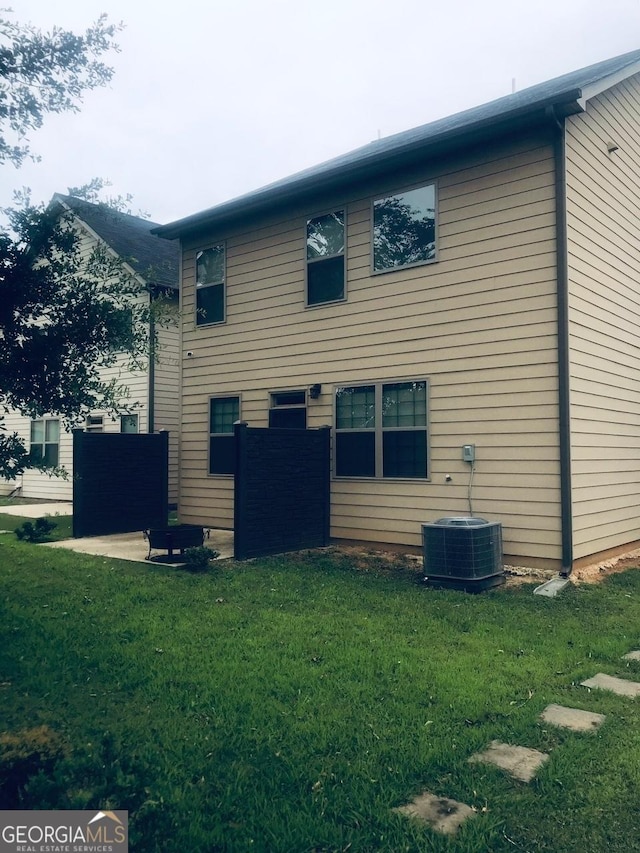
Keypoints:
(355, 431)
(404, 229)
(223, 412)
(381, 430)
(45, 442)
(210, 278)
(325, 258)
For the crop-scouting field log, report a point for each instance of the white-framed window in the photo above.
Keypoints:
(129, 424)
(45, 441)
(210, 285)
(223, 413)
(325, 254)
(381, 430)
(404, 229)
(94, 423)
(288, 409)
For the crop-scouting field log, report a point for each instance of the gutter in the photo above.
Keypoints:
(562, 279)
(378, 157)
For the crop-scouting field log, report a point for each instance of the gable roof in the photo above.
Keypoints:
(559, 97)
(131, 238)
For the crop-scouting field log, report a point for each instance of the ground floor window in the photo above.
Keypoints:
(288, 410)
(223, 413)
(45, 441)
(381, 430)
(129, 423)
(94, 423)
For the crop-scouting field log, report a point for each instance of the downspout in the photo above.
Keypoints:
(562, 278)
(152, 372)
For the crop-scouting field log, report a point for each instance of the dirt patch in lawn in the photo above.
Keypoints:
(388, 562)
(599, 571)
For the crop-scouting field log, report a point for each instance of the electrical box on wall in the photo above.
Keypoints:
(468, 453)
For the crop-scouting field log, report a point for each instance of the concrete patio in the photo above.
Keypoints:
(133, 546)
(118, 546)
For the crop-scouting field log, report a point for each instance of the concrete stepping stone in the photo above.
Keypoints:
(621, 686)
(440, 813)
(572, 718)
(520, 762)
(629, 656)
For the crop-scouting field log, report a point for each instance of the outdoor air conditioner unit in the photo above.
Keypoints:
(463, 553)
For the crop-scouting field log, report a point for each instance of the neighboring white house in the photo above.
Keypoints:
(153, 401)
(472, 282)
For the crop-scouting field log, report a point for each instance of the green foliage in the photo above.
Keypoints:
(37, 532)
(197, 559)
(44, 73)
(288, 704)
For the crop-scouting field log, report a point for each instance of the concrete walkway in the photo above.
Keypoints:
(38, 510)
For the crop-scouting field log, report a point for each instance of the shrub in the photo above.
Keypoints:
(197, 559)
(37, 532)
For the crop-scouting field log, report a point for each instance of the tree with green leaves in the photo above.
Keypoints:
(43, 73)
(63, 317)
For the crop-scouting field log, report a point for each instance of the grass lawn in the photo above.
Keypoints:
(288, 704)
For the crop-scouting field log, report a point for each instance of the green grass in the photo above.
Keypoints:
(288, 704)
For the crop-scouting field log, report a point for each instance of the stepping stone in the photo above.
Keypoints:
(439, 813)
(572, 718)
(628, 656)
(621, 686)
(520, 762)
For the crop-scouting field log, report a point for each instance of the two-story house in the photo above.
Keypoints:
(152, 403)
(474, 281)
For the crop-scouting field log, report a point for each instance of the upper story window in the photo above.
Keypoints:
(223, 413)
(325, 258)
(210, 278)
(404, 229)
(381, 430)
(45, 441)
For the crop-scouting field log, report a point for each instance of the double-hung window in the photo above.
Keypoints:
(325, 258)
(45, 442)
(223, 412)
(404, 229)
(210, 285)
(381, 430)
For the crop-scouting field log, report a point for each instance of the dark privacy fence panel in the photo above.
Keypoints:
(281, 490)
(120, 482)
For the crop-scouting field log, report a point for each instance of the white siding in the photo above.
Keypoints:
(603, 201)
(480, 324)
(136, 385)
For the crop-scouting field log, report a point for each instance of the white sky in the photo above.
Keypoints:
(214, 99)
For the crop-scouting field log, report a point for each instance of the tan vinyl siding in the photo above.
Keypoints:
(479, 324)
(603, 207)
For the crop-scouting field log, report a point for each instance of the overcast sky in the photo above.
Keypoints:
(214, 99)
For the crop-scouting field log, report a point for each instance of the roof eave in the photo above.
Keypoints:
(374, 163)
